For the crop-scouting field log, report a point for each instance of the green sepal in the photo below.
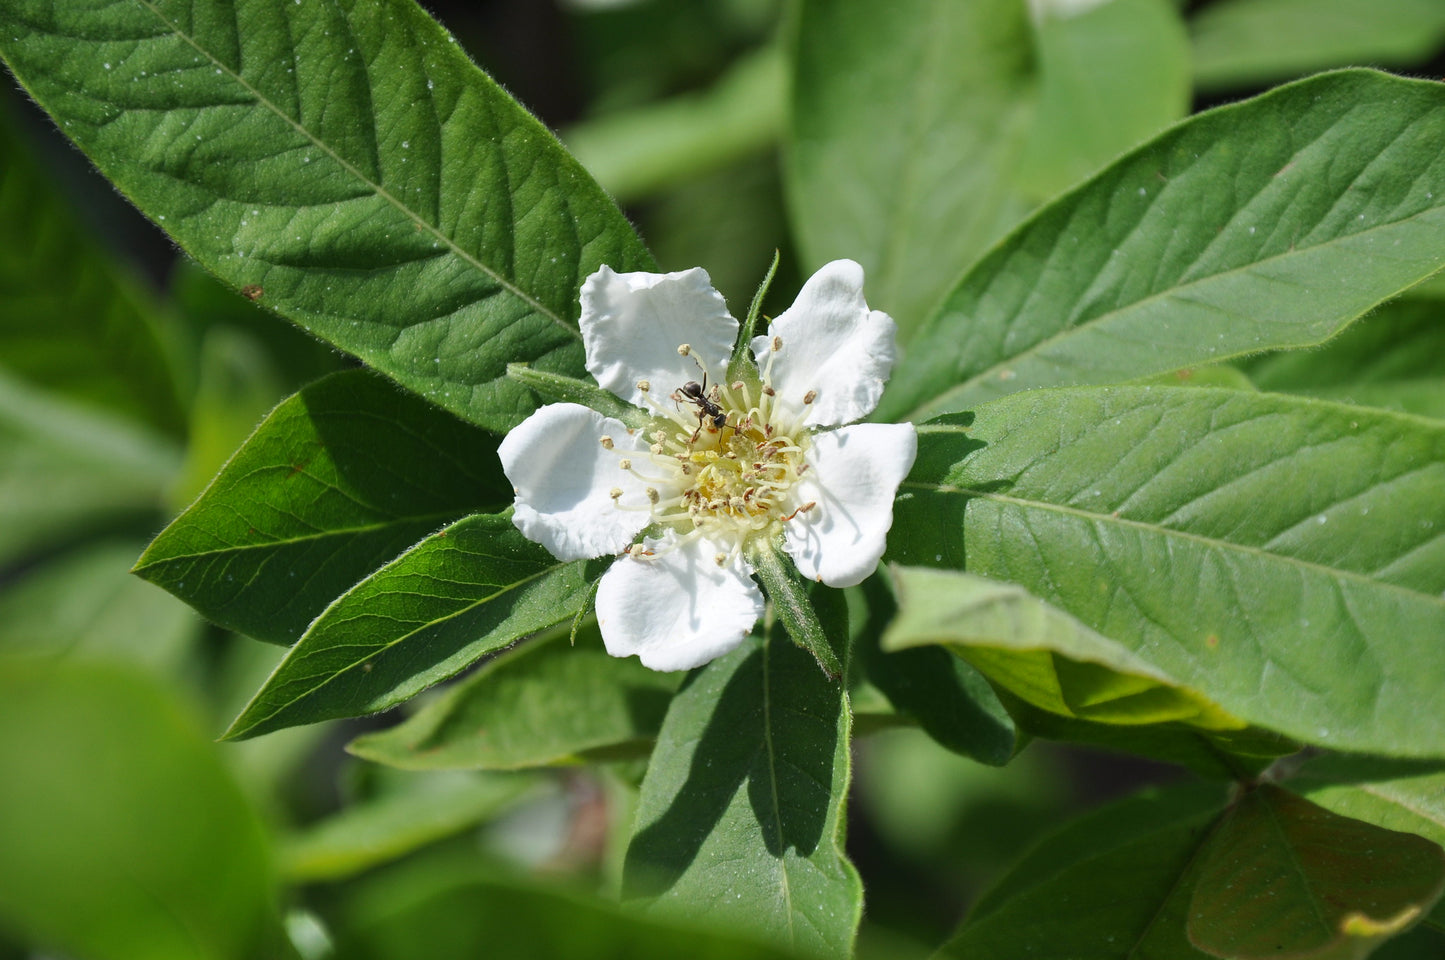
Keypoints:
(788, 592)
(741, 366)
(564, 389)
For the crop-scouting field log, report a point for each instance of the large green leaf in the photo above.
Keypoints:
(1039, 653)
(122, 834)
(71, 319)
(1394, 358)
(1113, 885)
(923, 130)
(1266, 224)
(67, 471)
(1240, 43)
(471, 588)
(1284, 877)
(740, 821)
(1281, 556)
(345, 164)
(542, 703)
(338, 480)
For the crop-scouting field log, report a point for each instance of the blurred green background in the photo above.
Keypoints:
(127, 377)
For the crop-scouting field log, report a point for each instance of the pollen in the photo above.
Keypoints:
(724, 461)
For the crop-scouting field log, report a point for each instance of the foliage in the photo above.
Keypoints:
(1179, 492)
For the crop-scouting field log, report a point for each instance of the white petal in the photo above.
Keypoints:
(832, 345)
(679, 609)
(563, 476)
(633, 323)
(854, 477)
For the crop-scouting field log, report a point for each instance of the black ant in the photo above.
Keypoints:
(707, 408)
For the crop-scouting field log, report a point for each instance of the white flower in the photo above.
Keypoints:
(721, 468)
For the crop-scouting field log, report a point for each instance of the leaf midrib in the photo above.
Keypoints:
(1157, 530)
(773, 791)
(421, 222)
(307, 538)
(937, 404)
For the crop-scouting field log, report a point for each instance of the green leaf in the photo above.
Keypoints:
(471, 588)
(1039, 653)
(1211, 754)
(459, 907)
(1113, 885)
(543, 703)
(66, 470)
(1267, 224)
(338, 480)
(788, 593)
(85, 749)
(72, 319)
(1401, 795)
(347, 165)
(923, 130)
(949, 699)
(1242, 43)
(1282, 557)
(637, 152)
(1394, 358)
(85, 603)
(740, 822)
(365, 835)
(1283, 877)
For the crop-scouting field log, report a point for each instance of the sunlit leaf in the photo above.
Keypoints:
(345, 165)
(338, 480)
(1280, 556)
(1262, 225)
(469, 589)
(741, 815)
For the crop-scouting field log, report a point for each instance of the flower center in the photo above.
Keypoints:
(722, 463)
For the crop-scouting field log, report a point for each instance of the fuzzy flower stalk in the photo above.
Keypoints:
(725, 460)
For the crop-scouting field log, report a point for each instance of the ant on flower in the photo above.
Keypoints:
(707, 408)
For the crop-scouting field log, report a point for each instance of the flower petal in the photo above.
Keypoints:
(633, 323)
(854, 477)
(563, 476)
(679, 609)
(832, 345)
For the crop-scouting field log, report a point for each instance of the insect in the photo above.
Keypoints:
(707, 408)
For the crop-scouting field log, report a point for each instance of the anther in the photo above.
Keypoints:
(606, 442)
(810, 396)
(652, 495)
(644, 385)
(615, 493)
(684, 349)
(656, 449)
(625, 464)
(777, 344)
(768, 391)
(720, 558)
